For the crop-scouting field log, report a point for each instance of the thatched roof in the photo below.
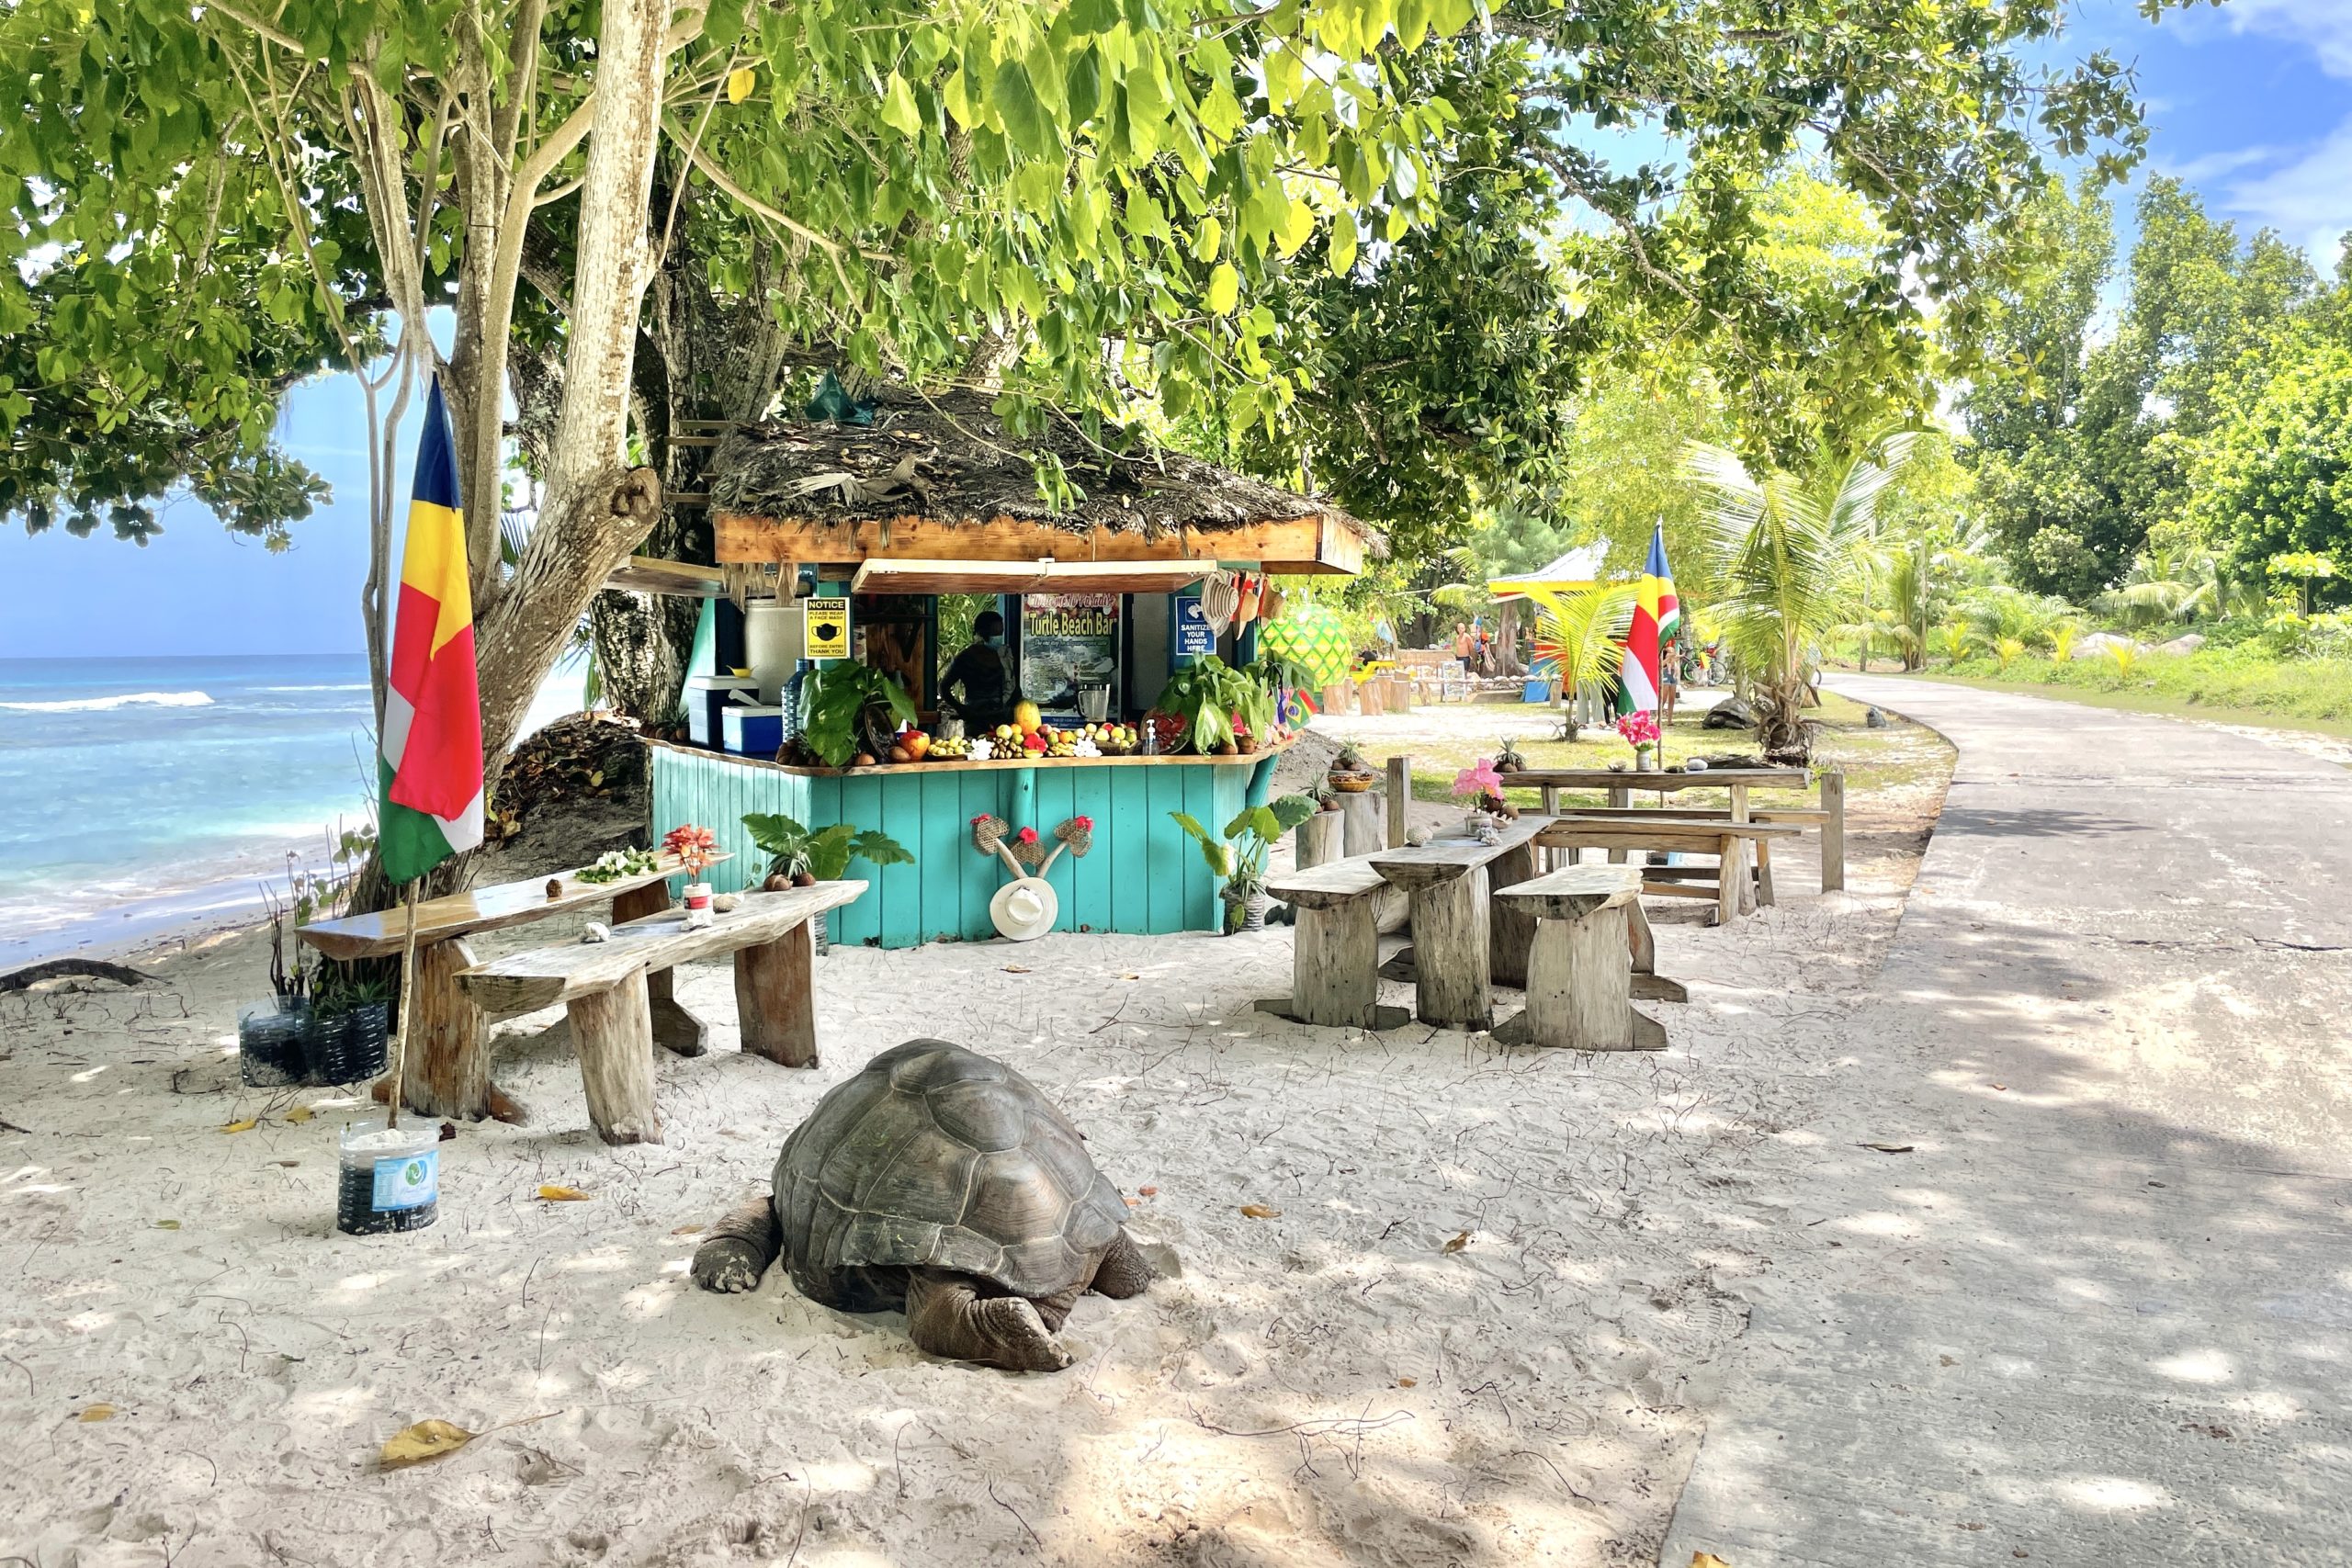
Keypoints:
(950, 460)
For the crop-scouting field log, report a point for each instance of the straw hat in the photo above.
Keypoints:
(1025, 909)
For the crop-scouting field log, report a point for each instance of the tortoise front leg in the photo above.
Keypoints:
(947, 1318)
(742, 1246)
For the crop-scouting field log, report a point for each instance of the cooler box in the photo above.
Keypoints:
(707, 695)
(752, 731)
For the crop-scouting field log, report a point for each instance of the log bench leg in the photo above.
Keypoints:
(447, 1068)
(674, 1029)
(1764, 873)
(1642, 943)
(1510, 933)
(1452, 953)
(776, 999)
(613, 1031)
(1731, 871)
(1335, 959)
(1579, 990)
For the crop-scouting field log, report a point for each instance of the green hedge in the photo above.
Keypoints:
(2245, 677)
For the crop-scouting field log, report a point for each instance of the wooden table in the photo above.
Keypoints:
(447, 1055)
(1462, 941)
(603, 988)
(1734, 782)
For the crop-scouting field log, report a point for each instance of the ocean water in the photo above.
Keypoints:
(141, 793)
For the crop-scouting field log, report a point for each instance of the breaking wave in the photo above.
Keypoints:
(120, 700)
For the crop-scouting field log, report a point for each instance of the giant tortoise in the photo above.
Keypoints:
(942, 1182)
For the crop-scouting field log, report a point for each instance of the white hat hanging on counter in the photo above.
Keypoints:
(1024, 910)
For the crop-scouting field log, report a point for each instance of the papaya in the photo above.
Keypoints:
(1026, 717)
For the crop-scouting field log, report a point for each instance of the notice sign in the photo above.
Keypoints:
(828, 627)
(1192, 637)
(1068, 641)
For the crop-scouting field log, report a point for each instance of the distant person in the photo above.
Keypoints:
(977, 685)
(1670, 680)
(1463, 644)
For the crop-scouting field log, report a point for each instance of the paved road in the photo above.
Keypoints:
(2102, 1314)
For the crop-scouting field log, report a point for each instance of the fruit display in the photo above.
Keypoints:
(1113, 739)
(948, 749)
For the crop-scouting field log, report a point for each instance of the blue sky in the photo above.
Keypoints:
(2251, 102)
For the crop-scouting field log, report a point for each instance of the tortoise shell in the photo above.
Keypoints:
(935, 1156)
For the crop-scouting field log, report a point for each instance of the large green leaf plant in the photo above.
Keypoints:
(1239, 855)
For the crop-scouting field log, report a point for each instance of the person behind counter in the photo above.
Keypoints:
(976, 687)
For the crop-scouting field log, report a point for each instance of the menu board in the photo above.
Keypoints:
(1066, 640)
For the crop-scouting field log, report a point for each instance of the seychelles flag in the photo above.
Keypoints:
(431, 763)
(1657, 616)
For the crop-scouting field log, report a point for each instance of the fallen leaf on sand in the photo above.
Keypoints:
(95, 1413)
(167, 1224)
(2002, 1086)
(431, 1439)
(1016, 969)
(1261, 1212)
(424, 1440)
(1889, 1148)
(301, 1113)
(288, 1164)
(1148, 1192)
(1130, 974)
(687, 1230)
(1408, 1382)
(563, 1194)
(1707, 1560)
(1458, 1243)
(247, 1125)
(1132, 1202)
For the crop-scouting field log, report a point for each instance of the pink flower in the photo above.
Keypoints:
(1480, 781)
(1027, 835)
(694, 847)
(1085, 824)
(1639, 728)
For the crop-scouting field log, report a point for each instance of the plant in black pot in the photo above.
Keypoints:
(853, 710)
(351, 1024)
(270, 1034)
(1239, 856)
(802, 857)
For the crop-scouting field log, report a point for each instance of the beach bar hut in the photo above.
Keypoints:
(879, 541)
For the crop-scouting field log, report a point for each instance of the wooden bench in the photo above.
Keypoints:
(1579, 973)
(1826, 820)
(1642, 830)
(602, 986)
(1462, 941)
(1335, 957)
(447, 1070)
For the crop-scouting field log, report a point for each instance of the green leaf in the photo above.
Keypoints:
(1343, 244)
(1208, 238)
(1225, 288)
(1298, 226)
(1015, 102)
(898, 111)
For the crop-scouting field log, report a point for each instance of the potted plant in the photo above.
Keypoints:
(854, 711)
(1216, 706)
(1349, 773)
(1640, 731)
(802, 857)
(1510, 760)
(1480, 788)
(1239, 856)
(696, 848)
(351, 1025)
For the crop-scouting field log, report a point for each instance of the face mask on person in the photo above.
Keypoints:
(992, 641)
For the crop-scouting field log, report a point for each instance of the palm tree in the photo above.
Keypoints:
(1794, 550)
(1583, 636)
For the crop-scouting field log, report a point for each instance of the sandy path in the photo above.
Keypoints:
(1331, 1386)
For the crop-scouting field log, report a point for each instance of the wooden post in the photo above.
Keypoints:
(445, 1070)
(1734, 858)
(1321, 838)
(1335, 963)
(1641, 944)
(1401, 795)
(1730, 872)
(1619, 797)
(1551, 860)
(613, 1031)
(1509, 932)
(1833, 832)
(1361, 832)
(674, 1029)
(1452, 953)
(776, 999)
(1579, 993)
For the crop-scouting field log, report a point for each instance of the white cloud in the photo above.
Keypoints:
(2308, 200)
(2324, 26)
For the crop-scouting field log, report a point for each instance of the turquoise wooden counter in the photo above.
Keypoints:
(1142, 875)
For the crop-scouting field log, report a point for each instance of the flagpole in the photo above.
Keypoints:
(400, 1045)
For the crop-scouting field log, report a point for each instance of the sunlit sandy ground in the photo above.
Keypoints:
(1332, 1385)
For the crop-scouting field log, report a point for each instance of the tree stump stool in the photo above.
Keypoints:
(1579, 970)
(1335, 956)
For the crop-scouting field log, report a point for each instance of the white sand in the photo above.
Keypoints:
(1330, 1386)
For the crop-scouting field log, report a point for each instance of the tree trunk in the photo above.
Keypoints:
(597, 508)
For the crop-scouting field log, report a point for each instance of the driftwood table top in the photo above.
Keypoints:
(476, 909)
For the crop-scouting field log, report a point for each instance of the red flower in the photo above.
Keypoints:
(1086, 824)
(694, 847)
(1027, 835)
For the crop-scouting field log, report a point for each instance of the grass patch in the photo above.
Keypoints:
(2239, 685)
